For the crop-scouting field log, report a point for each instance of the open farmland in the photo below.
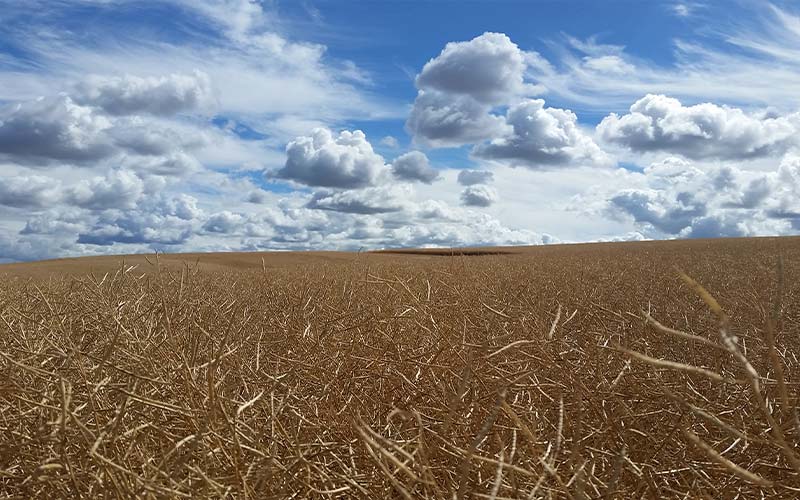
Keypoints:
(500, 373)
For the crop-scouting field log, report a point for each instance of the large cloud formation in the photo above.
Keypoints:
(702, 131)
(459, 87)
(164, 150)
(153, 145)
(460, 91)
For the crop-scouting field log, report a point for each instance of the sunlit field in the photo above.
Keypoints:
(583, 371)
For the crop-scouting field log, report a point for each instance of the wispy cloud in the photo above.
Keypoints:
(752, 63)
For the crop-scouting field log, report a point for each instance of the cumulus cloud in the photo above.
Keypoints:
(53, 129)
(723, 225)
(127, 161)
(662, 211)
(258, 196)
(542, 137)
(441, 120)
(702, 131)
(173, 164)
(146, 137)
(459, 88)
(478, 196)
(375, 200)
(156, 95)
(118, 189)
(182, 206)
(322, 160)
(390, 142)
(31, 192)
(471, 229)
(33, 247)
(439, 210)
(754, 194)
(463, 88)
(784, 200)
(414, 166)
(472, 177)
(136, 227)
(64, 221)
(673, 198)
(154, 223)
(489, 68)
(223, 222)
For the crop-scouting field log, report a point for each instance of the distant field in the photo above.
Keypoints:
(483, 373)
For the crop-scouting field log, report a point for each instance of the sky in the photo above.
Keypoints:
(250, 125)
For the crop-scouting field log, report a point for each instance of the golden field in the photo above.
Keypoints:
(570, 371)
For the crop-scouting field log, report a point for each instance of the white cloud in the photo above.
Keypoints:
(414, 167)
(151, 137)
(137, 228)
(258, 196)
(459, 88)
(608, 64)
(238, 18)
(276, 78)
(681, 9)
(223, 222)
(442, 120)
(173, 164)
(702, 131)
(30, 192)
(374, 200)
(55, 130)
(344, 161)
(390, 142)
(181, 206)
(673, 198)
(162, 95)
(118, 189)
(472, 177)
(749, 60)
(489, 69)
(64, 221)
(129, 159)
(663, 211)
(472, 229)
(478, 195)
(48, 129)
(542, 137)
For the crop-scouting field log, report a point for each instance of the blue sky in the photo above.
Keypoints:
(180, 125)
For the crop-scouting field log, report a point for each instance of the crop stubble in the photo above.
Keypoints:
(528, 374)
